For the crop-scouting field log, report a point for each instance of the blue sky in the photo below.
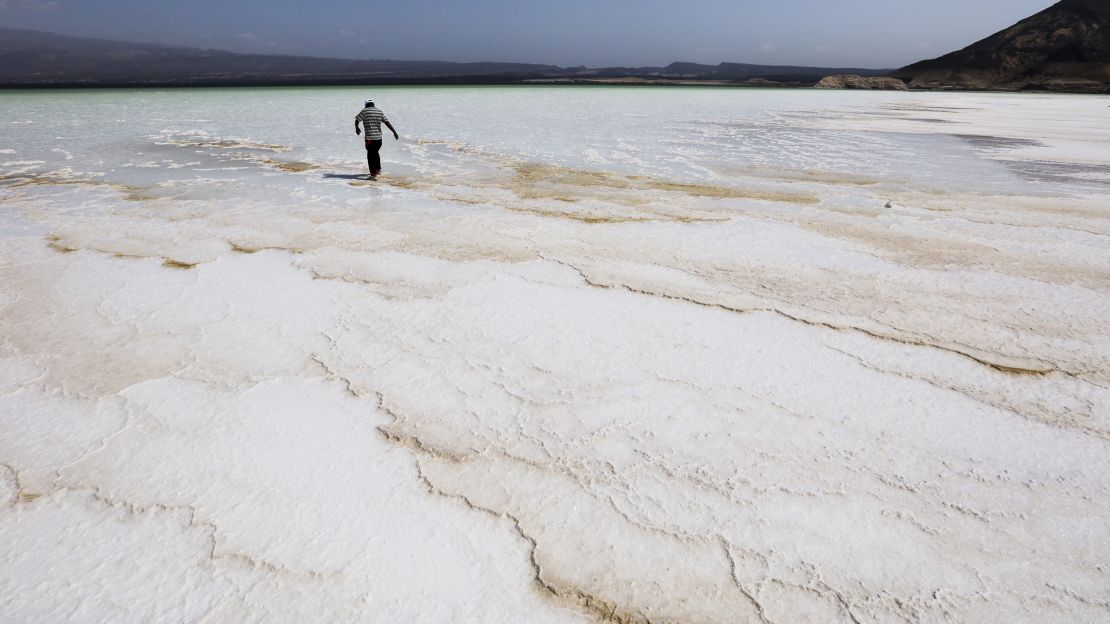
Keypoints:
(861, 33)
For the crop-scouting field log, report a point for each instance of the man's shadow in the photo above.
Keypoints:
(345, 176)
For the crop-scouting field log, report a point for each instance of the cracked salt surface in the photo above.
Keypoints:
(818, 361)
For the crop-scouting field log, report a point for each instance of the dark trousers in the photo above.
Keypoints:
(373, 160)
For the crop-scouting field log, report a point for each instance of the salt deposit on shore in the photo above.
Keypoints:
(701, 356)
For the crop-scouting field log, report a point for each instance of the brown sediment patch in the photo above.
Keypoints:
(170, 263)
(470, 201)
(824, 177)
(531, 173)
(567, 185)
(58, 247)
(599, 218)
(582, 217)
(177, 264)
(15, 181)
(289, 166)
(590, 196)
(401, 182)
(123, 256)
(727, 192)
(632, 201)
(916, 249)
(243, 249)
(572, 186)
(533, 179)
(1012, 369)
(869, 212)
(237, 248)
(225, 144)
(793, 176)
(22, 180)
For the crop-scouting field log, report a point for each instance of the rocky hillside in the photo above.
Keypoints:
(1063, 48)
(851, 81)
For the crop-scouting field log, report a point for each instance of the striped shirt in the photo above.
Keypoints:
(372, 118)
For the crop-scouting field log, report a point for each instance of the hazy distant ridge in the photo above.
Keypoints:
(39, 58)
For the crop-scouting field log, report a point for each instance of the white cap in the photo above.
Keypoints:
(369, 102)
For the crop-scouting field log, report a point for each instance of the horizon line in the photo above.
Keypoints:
(429, 60)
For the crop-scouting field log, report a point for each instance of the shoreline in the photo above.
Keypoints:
(478, 82)
(517, 82)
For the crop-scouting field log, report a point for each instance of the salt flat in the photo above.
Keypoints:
(581, 354)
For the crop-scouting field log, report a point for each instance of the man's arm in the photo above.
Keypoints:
(390, 126)
(357, 129)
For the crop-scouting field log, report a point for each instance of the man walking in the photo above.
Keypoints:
(372, 117)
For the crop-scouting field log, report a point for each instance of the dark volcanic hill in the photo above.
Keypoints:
(1066, 47)
(31, 58)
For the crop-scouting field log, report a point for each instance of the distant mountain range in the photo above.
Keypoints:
(1066, 47)
(32, 58)
(39, 58)
(1063, 48)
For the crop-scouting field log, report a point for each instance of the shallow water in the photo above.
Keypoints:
(703, 134)
(582, 353)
